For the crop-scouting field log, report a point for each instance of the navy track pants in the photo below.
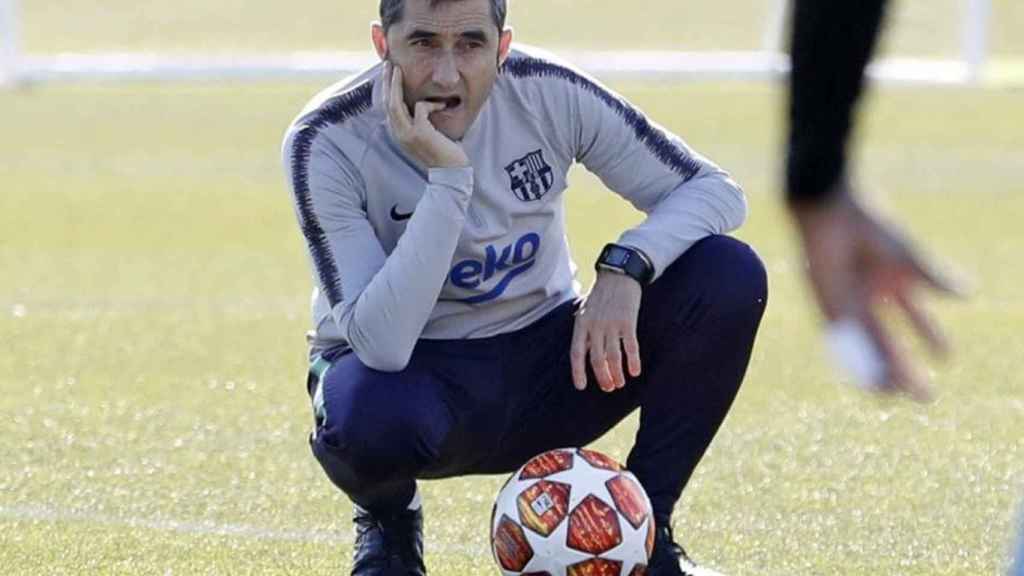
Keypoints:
(486, 406)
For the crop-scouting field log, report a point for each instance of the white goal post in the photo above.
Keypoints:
(9, 42)
(769, 63)
(975, 47)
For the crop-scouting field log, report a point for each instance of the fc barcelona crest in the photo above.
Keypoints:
(531, 177)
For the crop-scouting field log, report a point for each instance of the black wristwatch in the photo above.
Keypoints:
(626, 260)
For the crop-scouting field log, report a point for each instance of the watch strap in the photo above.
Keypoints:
(626, 260)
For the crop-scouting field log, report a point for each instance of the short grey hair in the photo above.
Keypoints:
(391, 11)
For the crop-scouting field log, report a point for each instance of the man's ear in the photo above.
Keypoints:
(380, 40)
(504, 45)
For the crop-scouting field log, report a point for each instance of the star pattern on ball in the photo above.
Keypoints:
(579, 512)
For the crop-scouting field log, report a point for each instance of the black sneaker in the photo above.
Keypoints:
(388, 545)
(669, 558)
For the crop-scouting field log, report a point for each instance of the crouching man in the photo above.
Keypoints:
(450, 337)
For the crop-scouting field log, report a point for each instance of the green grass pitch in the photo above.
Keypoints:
(154, 298)
(154, 294)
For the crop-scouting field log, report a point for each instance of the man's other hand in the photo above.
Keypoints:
(605, 328)
(856, 264)
(414, 133)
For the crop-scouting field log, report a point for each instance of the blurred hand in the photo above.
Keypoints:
(605, 326)
(415, 134)
(856, 263)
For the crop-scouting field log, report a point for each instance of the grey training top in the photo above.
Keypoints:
(484, 251)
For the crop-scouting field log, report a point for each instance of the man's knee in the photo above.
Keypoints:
(725, 273)
(717, 287)
(363, 477)
(341, 448)
(371, 432)
(369, 441)
(737, 275)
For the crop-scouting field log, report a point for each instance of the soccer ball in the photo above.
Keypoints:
(572, 512)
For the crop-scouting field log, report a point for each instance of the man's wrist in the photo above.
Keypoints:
(626, 261)
(811, 213)
(837, 193)
(451, 163)
(613, 276)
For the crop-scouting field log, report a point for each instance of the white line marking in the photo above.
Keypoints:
(36, 513)
(33, 513)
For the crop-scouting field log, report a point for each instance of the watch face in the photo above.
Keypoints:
(616, 256)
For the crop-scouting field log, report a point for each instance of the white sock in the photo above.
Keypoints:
(416, 503)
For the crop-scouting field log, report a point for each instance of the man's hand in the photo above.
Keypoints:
(856, 262)
(605, 326)
(415, 134)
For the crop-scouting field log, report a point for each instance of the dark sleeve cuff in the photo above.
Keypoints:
(832, 43)
(811, 175)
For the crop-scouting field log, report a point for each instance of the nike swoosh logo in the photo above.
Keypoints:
(398, 216)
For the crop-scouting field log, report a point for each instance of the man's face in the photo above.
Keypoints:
(448, 53)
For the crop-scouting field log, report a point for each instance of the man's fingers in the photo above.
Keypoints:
(899, 376)
(599, 364)
(856, 353)
(423, 111)
(923, 323)
(632, 348)
(862, 348)
(942, 282)
(385, 87)
(930, 276)
(396, 102)
(613, 356)
(578, 356)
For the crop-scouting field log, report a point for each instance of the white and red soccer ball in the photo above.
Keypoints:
(572, 512)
